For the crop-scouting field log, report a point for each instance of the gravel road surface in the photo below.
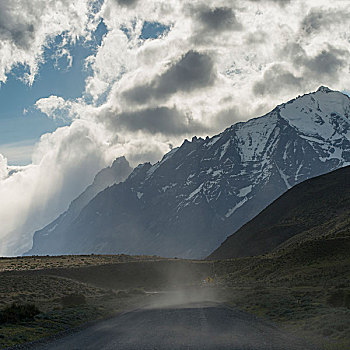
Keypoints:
(201, 325)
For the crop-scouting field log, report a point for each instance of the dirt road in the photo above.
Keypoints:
(196, 325)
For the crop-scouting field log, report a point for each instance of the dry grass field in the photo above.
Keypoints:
(66, 261)
(72, 290)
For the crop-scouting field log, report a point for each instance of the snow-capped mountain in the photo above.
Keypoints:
(198, 194)
(117, 172)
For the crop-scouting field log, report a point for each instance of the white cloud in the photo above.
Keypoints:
(64, 163)
(243, 53)
(26, 27)
(261, 54)
(54, 106)
(3, 167)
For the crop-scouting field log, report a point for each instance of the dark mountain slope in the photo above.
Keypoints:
(316, 209)
(117, 172)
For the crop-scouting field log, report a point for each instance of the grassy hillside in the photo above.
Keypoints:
(304, 286)
(318, 208)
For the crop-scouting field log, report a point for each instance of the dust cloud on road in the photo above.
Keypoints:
(185, 319)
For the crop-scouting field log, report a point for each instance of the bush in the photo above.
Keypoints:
(18, 313)
(110, 293)
(136, 291)
(339, 298)
(347, 300)
(73, 299)
(122, 294)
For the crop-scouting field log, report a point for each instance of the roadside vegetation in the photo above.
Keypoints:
(43, 296)
(307, 293)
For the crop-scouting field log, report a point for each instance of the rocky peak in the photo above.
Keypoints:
(324, 89)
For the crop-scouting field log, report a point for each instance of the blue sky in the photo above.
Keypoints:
(16, 96)
(20, 130)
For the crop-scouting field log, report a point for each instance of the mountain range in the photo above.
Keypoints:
(188, 203)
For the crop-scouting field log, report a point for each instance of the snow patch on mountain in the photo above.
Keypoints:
(244, 191)
(323, 119)
(238, 205)
(195, 192)
(224, 148)
(254, 135)
(139, 195)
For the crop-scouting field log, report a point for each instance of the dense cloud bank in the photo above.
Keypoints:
(218, 62)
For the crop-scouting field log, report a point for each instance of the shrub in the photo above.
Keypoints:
(18, 313)
(73, 299)
(122, 294)
(347, 300)
(136, 291)
(109, 294)
(339, 298)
